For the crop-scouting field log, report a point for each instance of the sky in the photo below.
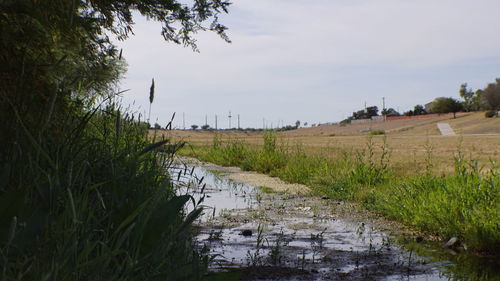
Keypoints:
(315, 61)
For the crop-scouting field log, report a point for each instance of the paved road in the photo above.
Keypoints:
(445, 129)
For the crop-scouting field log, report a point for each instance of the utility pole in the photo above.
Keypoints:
(383, 109)
(184, 121)
(206, 120)
(215, 121)
(239, 122)
(230, 119)
(263, 123)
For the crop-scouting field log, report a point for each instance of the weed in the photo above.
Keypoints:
(266, 189)
(377, 132)
(275, 256)
(215, 235)
(256, 258)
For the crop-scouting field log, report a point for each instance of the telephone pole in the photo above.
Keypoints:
(215, 121)
(383, 108)
(206, 119)
(184, 121)
(238, 121)
(230, 119)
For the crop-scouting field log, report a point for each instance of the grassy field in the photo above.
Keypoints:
(411, 143)
(448, 186)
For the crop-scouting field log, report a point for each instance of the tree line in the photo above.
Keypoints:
(482, 99)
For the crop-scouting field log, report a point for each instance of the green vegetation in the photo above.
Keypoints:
(83, 194)
(92, 201)
(417, 110)
(490, 114)
(446, 105)
(489, 97)
(463, 204)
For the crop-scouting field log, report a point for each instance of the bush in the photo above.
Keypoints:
(377, 132)
(490, 114)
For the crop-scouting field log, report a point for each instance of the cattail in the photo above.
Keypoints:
(151, 97)
(152, 91)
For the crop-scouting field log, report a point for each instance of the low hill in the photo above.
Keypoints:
(465, 123)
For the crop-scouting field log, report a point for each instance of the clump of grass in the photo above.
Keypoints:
(377, 132)
(463, 205)
(90, 199)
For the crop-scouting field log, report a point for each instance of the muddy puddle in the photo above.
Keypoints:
(263, 235)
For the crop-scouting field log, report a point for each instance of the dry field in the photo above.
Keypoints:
(410, 142)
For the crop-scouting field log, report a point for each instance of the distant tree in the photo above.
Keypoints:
(305, 124)
(471, 102)
(390, 112)
(297, 124)
(489, 98)
(409, 113)
(194, 127)
(367, 113)
(419, 110)
(157, 126)
(371, 111)
(205, 127)
(446, 105)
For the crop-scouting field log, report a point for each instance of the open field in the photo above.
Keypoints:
(411, 142)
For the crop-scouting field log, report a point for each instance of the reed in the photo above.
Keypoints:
(91, 199)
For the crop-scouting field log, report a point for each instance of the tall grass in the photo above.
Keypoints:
(464, 204)
(88, 198)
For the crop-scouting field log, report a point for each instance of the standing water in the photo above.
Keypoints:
(278, 236)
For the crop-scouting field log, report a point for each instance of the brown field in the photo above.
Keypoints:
(409, 141)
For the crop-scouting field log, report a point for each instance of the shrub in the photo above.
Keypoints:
(490, 114)
(377, 132)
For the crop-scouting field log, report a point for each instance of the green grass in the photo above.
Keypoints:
(377, 132)
(89, 199)
(464, 204)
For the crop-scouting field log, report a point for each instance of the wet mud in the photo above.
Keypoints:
(278, 234)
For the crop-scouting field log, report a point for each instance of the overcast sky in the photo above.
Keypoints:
(315, 60)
